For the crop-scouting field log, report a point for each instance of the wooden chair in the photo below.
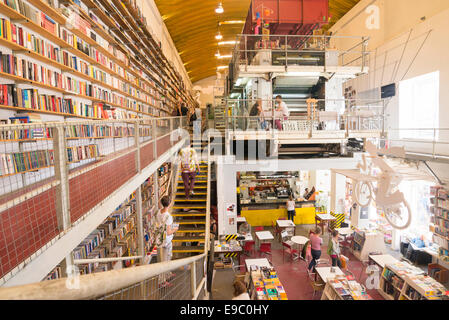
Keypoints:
(317, 285)
(276, 230)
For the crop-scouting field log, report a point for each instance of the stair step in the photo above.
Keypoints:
(188, 214)
(191, 200)
(190, 206)
(188, 239)
(191, 230)
(196, 194)
(180, 186)
(191, 221)
(187, 249)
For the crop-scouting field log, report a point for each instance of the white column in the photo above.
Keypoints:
(338, 190)
(226, 196)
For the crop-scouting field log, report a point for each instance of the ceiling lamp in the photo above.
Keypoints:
(225, 56)
(221, 67)
(219, 9)
(223, 43)
(218, 36)
(217, 54)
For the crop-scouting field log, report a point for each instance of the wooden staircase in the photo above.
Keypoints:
(191, 216)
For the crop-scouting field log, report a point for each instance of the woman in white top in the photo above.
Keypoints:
(240, 292)
(291, 208)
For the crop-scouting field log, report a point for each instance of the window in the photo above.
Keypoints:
(419, 105)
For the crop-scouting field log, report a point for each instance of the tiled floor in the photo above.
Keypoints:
(293, 275)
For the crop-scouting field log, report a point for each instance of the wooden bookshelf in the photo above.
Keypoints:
(108, 20)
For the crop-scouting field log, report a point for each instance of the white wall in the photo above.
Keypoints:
(400, 20)
(205, 89)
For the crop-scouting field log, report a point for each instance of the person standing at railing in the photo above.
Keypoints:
(281, 107)
(189, 167)
(164, 222)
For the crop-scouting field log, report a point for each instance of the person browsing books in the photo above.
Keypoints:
(316, 243)
(164, 221)
(333, 249)
(189, 169)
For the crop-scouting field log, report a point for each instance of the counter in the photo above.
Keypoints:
(265, 217)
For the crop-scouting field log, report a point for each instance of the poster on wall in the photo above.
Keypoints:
(231, 213)
(364, 213)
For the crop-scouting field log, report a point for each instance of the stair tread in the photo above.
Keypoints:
(188, 248)
(188, 238)
(199, 230)
(191, 221)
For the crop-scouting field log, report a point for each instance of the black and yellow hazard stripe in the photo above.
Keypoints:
(230, 254)
(231, 237)
(339, 218)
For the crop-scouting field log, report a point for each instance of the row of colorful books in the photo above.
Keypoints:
(78, 153)
(20, 162)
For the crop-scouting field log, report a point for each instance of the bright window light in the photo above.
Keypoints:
(419, 105)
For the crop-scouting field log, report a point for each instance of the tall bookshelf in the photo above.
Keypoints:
(149, 205)
(440, 220)
(116, 236)
(79, 64)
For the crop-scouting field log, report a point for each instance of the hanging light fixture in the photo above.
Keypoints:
(218, 36)
(219, 9)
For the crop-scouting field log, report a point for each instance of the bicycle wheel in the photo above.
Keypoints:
(399, 217)
(363, 193)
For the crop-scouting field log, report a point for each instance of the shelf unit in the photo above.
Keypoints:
(402, 281)
(366, 242)
(440, 220)
(115, 237)
(127, 68)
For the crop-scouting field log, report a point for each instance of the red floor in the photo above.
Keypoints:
(293, 275)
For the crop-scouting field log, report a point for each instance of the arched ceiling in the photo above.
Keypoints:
(193, 25)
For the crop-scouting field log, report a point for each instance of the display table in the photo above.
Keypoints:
(264, 236)
(344, 288)
(402, 281)
(257, 263)
(265, 217)
(382, 259)
(240, 219)
(325, 273)
(265, 284)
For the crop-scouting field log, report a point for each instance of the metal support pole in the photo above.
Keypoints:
(62, 189)
(153, 130)
(246, 53)
(193, 278)
(286, 54)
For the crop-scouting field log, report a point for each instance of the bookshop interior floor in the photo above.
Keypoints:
(293, 275)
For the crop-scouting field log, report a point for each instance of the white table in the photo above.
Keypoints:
(324, 217)
(248, 236)
(326, 274)
(263, 262)
(345, 231)
(241, 219)
(383, 259)
(300, 241)
(285, 223)
(263, 236)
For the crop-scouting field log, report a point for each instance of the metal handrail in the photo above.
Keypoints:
(91, 286)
